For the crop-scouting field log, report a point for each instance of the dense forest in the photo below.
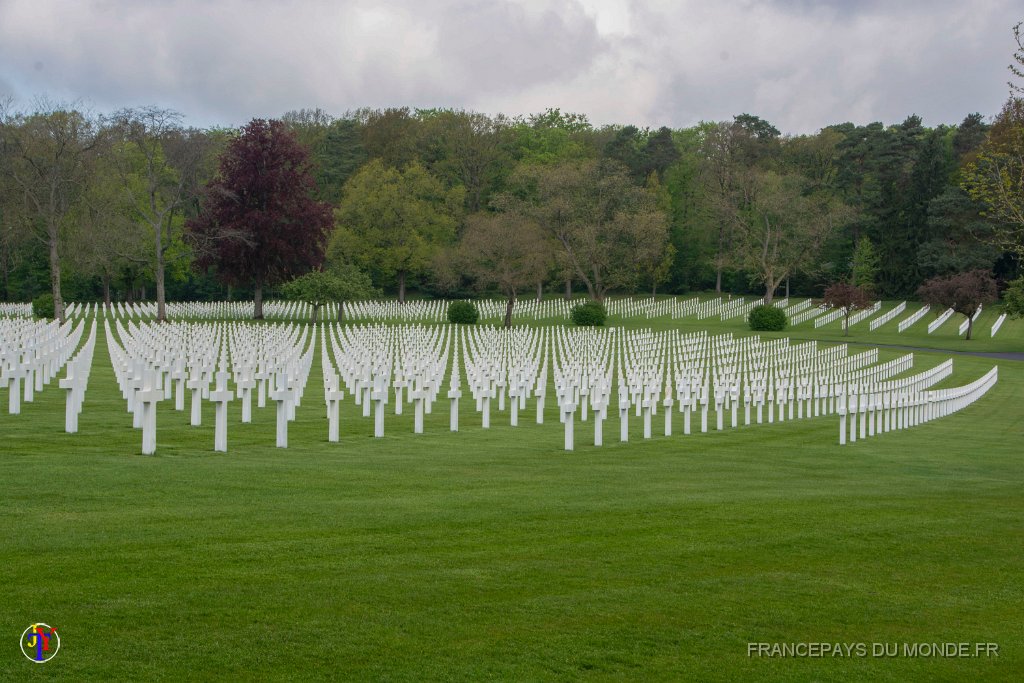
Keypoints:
(452, 203)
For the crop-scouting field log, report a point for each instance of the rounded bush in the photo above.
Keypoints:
(43, 307)
(590, 314)
(463, 313)
(767, 318)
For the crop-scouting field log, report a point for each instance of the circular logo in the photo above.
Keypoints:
(40, 643)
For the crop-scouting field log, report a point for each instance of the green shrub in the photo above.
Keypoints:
(767, 318)
(43, 307)
(463, 313)
(590, 314)
(1014, 298)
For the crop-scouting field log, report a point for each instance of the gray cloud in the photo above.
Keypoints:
(799, 64)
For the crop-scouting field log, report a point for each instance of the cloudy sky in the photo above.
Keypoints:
(801, 64)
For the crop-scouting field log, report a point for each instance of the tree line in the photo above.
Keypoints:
(136, 204)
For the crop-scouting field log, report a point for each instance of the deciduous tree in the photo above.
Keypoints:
(1014, 298)
(963, 292)
(504, 250)
(158, 162)
(847, 297)
(259, 222)
(603, 222)
(105, 240)
(781, 229)
(392, 221)
(321, 287)
(49, 152)
(996, 177)
(466, 148)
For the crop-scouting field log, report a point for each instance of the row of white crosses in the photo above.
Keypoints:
(196, 310)
(83, 310)
(76, 381)
(15, 310)
(675, 307)
(739, 307)
(831, 316)
(651, 307)
(410, 361)
(672, 372)
(32, 353)
(863, 314)
(965, 324)
(681, 307)
(871, 410)
(389, 309)
(805, 314)
(525, 310)
(709, 308)
(662, 370)
(636, 371)
(157, 362)
(997, 324)
(631, 371)
(912, 318)
(686, 307)
(937, 323)
(887, 316)
(868, 396)
(799, 307)
(647, 307)
(374, 360)
(698, 370)
(499, 362)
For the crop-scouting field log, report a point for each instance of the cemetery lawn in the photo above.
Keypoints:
(494, 554)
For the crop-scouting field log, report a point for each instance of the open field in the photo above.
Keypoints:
(496, 554)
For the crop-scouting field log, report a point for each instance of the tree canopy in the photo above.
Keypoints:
(259, 222)
(963, 292)
(392, 221)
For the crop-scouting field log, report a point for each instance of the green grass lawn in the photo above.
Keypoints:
(494, 554)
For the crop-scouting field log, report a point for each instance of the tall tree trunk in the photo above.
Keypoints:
(58, 301)
(718, 278)
(787, 286)
(769, 293)
(508, 308)
(401, 286)
(846, 318)
(316, 313)
(142, 293)
(257, 301)
(161, 309)
(229, 292)
(654, 288)
(594, 287)
(341, 311)
(970, 327)
(568, 289)
(106, 290)
(540, 290)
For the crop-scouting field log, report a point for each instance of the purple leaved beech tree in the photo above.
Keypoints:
(259, 222)
(848, 298)
(963, 292)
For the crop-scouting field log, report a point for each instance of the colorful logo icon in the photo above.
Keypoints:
(40, 643)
